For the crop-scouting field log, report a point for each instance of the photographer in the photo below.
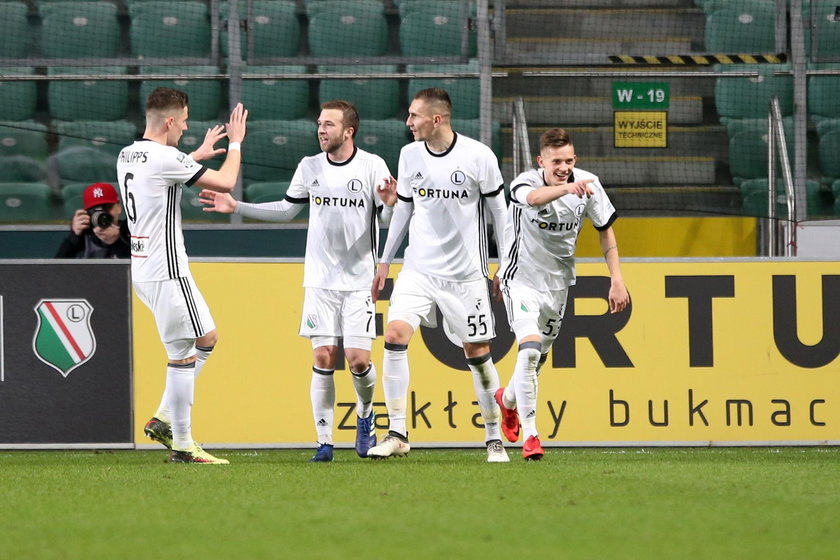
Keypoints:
(96, 231)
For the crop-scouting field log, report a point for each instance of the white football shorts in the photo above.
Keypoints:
(335, 313)
(534, 312)
(181, 314)
(465, 306)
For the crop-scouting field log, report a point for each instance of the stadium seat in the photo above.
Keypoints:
(72, 196)
(314, 7)
(749, 29)
(472, 128)
(374, 98)
(266, 191)
(384, 138)
(746, 98)
(464, 92)
(275, 98)
(829, 152)
(435, 28)
(87, 100)
(14, 30)
(825, 36)
(755, 199)
(748, 147)
(205, 96)
(274, 26)
(21, 169)
(823, 98)
(106, 136)
(25, 202)
(276, 147)
(405, 7)
(79, 29)
(84, 164)
(19, 98)
(25, 138)
(193, 211)
(348, 28)
(169, 29)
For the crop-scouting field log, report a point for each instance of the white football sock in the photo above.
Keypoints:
(180, 385)
(364, 383)
(524, 382)
(486, 383)
(322, 394)
(202, 353)
(395, 375)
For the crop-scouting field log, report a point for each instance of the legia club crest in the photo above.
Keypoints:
(64, 339)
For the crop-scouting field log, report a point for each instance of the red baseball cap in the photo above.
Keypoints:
(100, 193)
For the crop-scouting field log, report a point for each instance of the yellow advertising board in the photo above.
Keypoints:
(710, 352)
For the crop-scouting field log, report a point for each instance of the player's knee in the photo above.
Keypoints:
(209, 340)
(324, 357)
(398, 332)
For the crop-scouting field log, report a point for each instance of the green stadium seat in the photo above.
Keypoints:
(315, 7)
(464, 92)
(384, 138)
(79, 29)
(14, 31)
(374, 98)
(25, 202)
(472, 128)
(266, 191)
(748, 147)
(275, 98)
(348, 28)
(24, 138)
(829, 152)
(274, 26)
(748, 29)
(106, 136)
(87, 100)
(755, 199)
(823, 98)
(205, 96)
(405, 7)
(748, 98)
(435, 28)
(825, 36)
(276, 147)
(21, 169)
(193, 211)
(72, 196)
(169, 29)
(84, 164)
(19, 98)
(835, 188)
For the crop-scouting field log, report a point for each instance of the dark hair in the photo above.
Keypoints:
(555, 138)
(349, 115)
(164, 98)
(435, 95)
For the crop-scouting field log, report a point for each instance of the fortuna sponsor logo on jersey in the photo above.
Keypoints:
(556, 226)
(440, 193)
(63, 338)
(338, 201)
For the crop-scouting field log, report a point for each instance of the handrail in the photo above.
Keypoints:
(777, 137)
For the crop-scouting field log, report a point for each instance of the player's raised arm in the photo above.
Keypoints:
(224, 180)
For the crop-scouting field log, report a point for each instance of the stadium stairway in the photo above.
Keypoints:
(691, 174)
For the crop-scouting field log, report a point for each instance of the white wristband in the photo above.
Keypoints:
(235, 146)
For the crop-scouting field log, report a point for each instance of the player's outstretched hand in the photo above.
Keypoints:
(217, 202)
(206, 150)
(581, 188)
(379, 280)
(387, 191)
(236, 126)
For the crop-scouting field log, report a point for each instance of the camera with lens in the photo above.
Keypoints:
(100, 216)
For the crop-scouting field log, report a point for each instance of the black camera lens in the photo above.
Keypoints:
(99, 217)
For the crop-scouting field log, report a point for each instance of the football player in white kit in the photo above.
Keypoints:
(151, 173)
(446, 181)
(546, 214)
(349, 195)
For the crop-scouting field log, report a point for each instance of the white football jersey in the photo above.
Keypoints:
(543, 238)
(151, 176)
(448, 231)
(343, 236)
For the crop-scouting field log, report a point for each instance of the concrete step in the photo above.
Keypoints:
(599, 141)
(589, 110)
(616, 23)
(646, 171)
(538, 50)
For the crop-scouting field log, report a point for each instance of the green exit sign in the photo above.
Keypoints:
(640, 95)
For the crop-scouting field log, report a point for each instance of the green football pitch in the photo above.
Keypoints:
(576, 503)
